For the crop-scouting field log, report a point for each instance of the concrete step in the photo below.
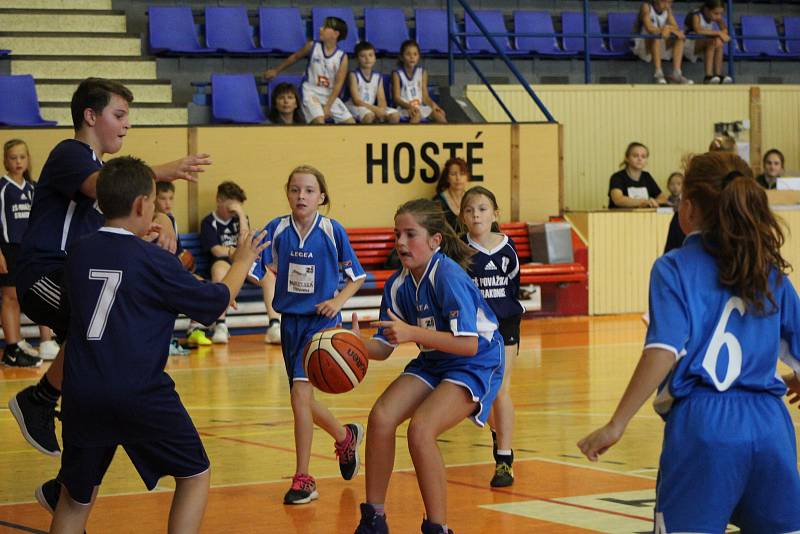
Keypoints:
(52, 21)
(141, 114)
(78, 68)
(64, 44)
(56, 4)
(144, 91)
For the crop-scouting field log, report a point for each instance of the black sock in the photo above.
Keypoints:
(274, 321)
(11, 346)
(45, 392)
(505, 459)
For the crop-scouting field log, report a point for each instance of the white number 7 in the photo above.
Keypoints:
(111, 281)
(720, 339)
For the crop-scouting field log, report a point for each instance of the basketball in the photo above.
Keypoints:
(335, 360)
(187, 260)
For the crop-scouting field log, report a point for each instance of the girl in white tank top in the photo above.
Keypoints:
(410, 87)
(701, 22)
(655, 18)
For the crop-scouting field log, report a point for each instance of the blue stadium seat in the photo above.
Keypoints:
(493, 21)
(432, 30)
(572, 22)
(761, 26)
(318, 16)
(172, 29)
(228, 29)
(791, 29)
(19, 105)
(294, 79)
(281, 29)
(385, 28)
(619, 23)
(537, 22)
(234, 98)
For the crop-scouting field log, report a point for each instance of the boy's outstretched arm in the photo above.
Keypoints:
(182, 169)
(249, 248)
(289, 61)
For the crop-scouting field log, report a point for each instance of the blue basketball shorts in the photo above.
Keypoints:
(180, 456)
(728, 457)
(296, 332)
(481, 375)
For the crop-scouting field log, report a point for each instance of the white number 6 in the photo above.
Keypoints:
(720, 339)
(111, 281)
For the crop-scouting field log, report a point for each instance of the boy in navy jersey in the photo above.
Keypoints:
(64, 210)
(115, 389)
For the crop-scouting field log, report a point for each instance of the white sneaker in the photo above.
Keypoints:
(220, 334)
(27, 348)
(726, 80)
(48, 350)
(273, 336)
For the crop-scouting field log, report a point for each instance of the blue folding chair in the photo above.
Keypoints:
(229, 30)
(172, 29)
(318, 16)
(19, 105)
(281, 29)
(761, 26)
(621, 23)
(572, 22)
(493, 21)
(537, 22)
(385, 28)
(432, 31)
(234, 98)
(791, 29)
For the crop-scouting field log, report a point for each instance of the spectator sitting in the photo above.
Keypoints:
(655, 18)
(701, 22)
(367, 98)
(410, 88)
(773, 169)
(450, 188)
(633, 187)
(284, 107)
(675, 184)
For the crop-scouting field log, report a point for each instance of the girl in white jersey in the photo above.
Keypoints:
(655, 18)
(700, 22)
(325, 74)
(410, 87)
(367, 98)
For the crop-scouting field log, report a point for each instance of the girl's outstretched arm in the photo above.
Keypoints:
(398, 331)
(653, 367)
(376, 350)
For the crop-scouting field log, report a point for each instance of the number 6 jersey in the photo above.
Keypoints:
(718, 342)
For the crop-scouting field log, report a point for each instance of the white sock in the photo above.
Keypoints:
(503, 452)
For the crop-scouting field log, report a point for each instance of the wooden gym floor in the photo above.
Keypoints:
(567, 380)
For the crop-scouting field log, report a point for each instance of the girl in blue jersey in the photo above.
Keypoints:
(16, 198)
(495, 270)
(722, 312)
(432, 302)
(307, 253)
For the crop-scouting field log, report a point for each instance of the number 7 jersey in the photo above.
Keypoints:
(719, 343)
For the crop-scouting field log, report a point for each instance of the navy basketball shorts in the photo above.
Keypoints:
(46, 303)
(296, 332)
(180, 456)
(728, 457)
(509, 329)
(10, 253)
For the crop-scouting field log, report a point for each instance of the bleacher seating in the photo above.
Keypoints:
(572, 23)
(791, 30)
(228, 29)
(234, 98)
(281, 29)
(537, 22)
(172, 30)
(619, 23)
(493, 21)
(761, 26)
(19, 105)
(385, 28)
(318, 16)
(431, 27)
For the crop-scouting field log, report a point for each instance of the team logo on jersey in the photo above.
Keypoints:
(490, 266)
(323, 81)
(504, 264)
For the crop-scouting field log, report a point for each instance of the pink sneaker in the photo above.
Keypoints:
(348, 451)
(303, 490)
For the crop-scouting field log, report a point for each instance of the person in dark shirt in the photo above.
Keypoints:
(633, 187)
(773, 169)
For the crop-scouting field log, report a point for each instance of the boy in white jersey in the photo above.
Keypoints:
(325, 74)
(367, 99)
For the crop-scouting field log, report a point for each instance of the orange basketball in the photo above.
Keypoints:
(335, 360)
(187, 260)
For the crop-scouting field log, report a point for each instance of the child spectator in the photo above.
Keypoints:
(495, 270)
(325, 74)
(633, 187)
(367, 98)
(674, 185)
(16, 197)
(700, 22)
(410, 87)
(116, 392)
(309, 254)
(434, 303)
(773, 169)
(656, 18)
(284, 105)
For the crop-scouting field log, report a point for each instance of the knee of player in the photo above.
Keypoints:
(302, 393)
(420, 433)
(380, 420)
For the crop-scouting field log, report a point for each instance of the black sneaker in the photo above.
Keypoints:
(371, 523)
(36, 420)
(433, 528)
(348, 452)
(17, 357)
(303, 490)
(503, 476)
(47, 495)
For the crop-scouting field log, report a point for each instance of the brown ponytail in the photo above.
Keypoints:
(430, 216)
(738, 226)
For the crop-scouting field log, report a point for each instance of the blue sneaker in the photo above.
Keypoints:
(371, 523)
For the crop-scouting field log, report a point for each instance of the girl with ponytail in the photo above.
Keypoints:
(722, 312)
